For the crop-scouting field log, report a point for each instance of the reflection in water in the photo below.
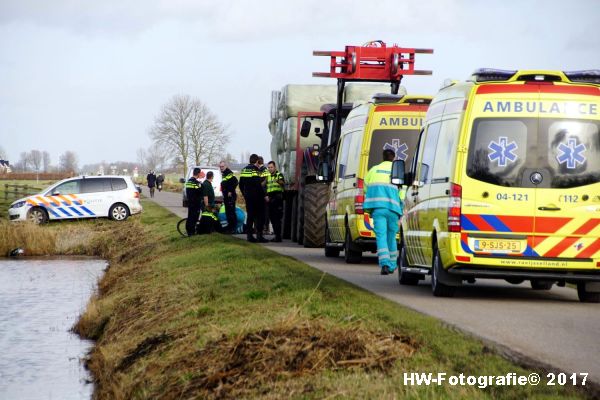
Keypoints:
(40, 300)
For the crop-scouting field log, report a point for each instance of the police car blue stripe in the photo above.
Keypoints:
(64, 211)
(496, 223)
(76, 211)
(54, 214)
(87, 210)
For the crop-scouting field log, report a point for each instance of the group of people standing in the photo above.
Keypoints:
(262, 188)
(202, 202)
(154, 181)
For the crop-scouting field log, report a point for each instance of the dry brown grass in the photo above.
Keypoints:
(34, 239)
(234, 367)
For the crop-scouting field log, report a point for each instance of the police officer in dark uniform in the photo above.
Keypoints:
(193, 192)
(275, 184)
(252, 189)
(228, 185)
(264, 173)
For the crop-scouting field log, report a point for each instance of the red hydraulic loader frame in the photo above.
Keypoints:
(373, 62)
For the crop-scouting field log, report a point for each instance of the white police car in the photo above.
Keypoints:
(115, 197)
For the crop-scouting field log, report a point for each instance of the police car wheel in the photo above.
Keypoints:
(118, 212)
(438, 288)
(406, 278)
(37, 215)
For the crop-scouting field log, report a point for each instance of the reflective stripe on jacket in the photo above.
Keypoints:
(272, 183)
(379, 192)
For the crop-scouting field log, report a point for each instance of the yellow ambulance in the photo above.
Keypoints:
(506, 183)
(389, 121)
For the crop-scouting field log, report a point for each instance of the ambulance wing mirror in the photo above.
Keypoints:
(305, 129)
(397, 176)
(324, 172)
(181, 180)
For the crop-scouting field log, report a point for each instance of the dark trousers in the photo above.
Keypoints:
(230, 212)
(192, 218)
(276, 213)
(255, 205)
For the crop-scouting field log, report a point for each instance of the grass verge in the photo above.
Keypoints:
(216, 317)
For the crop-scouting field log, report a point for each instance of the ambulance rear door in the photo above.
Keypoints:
(567, 223)
(498, 196)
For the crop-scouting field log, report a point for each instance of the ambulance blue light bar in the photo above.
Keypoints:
(492, 74)
(585, 76)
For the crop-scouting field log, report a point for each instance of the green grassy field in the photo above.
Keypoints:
(217, 317)
(7, 198)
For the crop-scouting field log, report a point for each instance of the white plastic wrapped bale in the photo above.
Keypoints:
(288, 167)
(291, 169)
(275, 99)
(273, 127)
(292, 134)
(356, 92)
(280, 135)
(273, 150)
(305, 98)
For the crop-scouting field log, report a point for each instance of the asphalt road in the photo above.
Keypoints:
(551, 328)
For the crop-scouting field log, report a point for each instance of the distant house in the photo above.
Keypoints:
(4, 167)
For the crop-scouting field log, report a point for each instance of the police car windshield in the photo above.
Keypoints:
(503, 151)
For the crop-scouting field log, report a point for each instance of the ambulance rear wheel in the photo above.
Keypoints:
(406, 278)
(438, 288)
(330, 251)
(585, 296)
(37, 215)
(541, 285)
(351, 254)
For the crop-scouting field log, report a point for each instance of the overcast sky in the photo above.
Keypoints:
(90, 76)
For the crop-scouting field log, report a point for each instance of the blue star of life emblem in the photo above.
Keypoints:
(502, 151)
(571, 153)
(401, 150)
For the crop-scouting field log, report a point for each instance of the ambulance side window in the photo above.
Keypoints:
(445, 153)
(418, 154)
(343, 157)
(430, 145)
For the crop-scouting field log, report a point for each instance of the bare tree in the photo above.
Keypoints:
(3, 155)
(23, 163)
(153, 158)
(46, 161)
(171, 127)
(208, 136)
(141, 158)
(68, 161)
(35, 160)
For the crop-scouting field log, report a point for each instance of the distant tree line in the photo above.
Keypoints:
(39, 161)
